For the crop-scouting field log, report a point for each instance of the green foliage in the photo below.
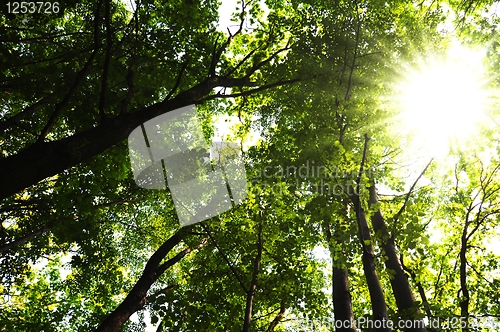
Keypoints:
(81, 238)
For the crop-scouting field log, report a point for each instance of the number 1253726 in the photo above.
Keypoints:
(33, 7)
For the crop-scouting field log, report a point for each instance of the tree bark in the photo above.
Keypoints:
(45, 159)
(341, 295)
(21, 240)
(464, 299)
(405, 300)
(136, 298)
(379, 307)
(278, 318)
(253, 284)
(342, 303)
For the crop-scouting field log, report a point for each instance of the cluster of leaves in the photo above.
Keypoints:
(78, 243)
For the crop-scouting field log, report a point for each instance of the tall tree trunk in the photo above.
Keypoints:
(399, 280)
(253, 284)
(464, 299)
(342, 304)
(341, 295)
(136, 298)
(379, 307)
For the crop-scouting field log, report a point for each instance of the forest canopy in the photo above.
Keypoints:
(368, 146)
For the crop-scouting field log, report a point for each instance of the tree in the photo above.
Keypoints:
(84, 248)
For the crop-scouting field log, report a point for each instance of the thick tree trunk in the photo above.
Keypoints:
(253, 284)
(136, 298)
(399, 280)
(341, 295)
(42, 160)
(379, 307)
(342, 304)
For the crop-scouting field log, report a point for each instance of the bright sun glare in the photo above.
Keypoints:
(444, 102)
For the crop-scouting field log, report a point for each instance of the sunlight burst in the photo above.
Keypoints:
(444, 102)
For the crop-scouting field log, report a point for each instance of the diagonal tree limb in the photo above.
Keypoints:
(251, 91)
(178, 80)
(279, 317)
(407, 197)
(28, 111)
(137, 297)
(269, 59)
(23, 239)
(231, 267)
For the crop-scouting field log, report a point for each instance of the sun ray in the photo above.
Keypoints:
(443, 102)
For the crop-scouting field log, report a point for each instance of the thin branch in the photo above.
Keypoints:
(251, 91)
(178, 80)
(79, 77)
(278, 318)
(177, 258)
(107, 60)
(354, 57)
(231, 267)
(266, 61)
(421, 290)
(408, 194)
(28, 111)
(247, 56)
(362, 165)
(21, 240)
(155, 295)
(217, 54)
(131, 90)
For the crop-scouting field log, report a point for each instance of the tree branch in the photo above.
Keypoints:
(278, 318)
(21, 240)
(178, 80)
(231, 267)
(28, 111)
(407, 197)
(136, 298)
(107, 59)
(253, 284)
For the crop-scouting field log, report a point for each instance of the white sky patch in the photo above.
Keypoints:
(225, 127)
(226, 8)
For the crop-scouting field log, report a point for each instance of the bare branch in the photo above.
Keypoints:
(410, 192)
(178, 80)
(251, 91)
(231, 267)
